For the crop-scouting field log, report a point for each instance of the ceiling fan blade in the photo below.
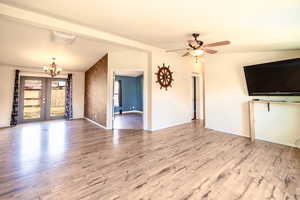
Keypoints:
(210, 51)
(173, 50)
(217, 44)
(186, 54)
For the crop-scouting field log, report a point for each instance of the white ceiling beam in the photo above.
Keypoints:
(51, 23)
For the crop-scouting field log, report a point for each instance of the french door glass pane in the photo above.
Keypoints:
(58, 92)
(32, 99)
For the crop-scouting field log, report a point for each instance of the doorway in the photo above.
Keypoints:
(194, 98)
(128, 100)
(42, 99)
(196, 110)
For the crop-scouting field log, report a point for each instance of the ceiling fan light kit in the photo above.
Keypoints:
(197, 47)
(197, 52)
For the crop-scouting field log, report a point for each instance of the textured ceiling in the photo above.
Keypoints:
(28, 46)
(250, 25)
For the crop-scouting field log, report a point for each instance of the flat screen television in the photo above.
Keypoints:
(281, 78)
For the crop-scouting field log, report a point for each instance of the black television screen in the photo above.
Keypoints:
(280, 78)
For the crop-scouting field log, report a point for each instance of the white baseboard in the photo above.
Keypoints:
(275, 142)
(171, 125)
(95, 122)
(131, 111)
(5, 125)
(227, 132)
(256, 138)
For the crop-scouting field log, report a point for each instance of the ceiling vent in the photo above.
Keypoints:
(63, 38)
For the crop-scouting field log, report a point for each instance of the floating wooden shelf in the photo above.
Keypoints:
(276, 102)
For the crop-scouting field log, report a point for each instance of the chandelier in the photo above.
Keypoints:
(52, 69)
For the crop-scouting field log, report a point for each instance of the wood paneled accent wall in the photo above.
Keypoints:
(96, 92)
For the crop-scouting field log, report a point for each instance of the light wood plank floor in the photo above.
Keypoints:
(77, 160)
(128, 121)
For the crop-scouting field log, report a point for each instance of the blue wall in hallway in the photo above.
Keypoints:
(132, 93)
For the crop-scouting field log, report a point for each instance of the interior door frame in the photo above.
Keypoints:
(195, 106)
(42, 103)
(113, 101)
(198, 102)
(145, 102)
(201, 92)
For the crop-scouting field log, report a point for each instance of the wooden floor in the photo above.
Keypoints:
(77, 160)
(128, 121)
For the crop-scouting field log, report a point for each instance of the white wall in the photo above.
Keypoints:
(226, 93)
(78, 94)
(7, 76)
(280, 125)
(174, 106)
(162, 108)
(6, 94)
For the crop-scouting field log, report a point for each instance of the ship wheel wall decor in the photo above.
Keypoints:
(164, 77)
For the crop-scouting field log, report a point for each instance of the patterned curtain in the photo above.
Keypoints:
(15, 106)
(69, 107)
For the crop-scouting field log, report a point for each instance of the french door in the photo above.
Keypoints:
(42, 99)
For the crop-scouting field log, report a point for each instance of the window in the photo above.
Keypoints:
(117, 94)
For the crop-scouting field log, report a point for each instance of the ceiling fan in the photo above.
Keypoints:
(197, 47)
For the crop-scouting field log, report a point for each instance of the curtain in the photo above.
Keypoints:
(69, 107)
(15, 105)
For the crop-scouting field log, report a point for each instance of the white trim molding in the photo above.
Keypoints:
(130, 111)
(95, 123)
(170, 125)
